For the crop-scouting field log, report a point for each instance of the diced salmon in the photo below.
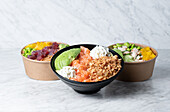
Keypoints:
(82, 75)
(85, 50)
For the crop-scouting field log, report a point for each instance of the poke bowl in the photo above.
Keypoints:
(36, 58)
(139, 61)
(78, 67)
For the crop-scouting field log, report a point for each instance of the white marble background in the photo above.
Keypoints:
(94, 21)
(75, 21)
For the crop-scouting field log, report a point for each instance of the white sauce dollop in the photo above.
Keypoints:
(68, 72)
(99, 51)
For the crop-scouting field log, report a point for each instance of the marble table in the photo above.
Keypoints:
(20, 93)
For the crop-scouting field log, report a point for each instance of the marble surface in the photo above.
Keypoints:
(83, 21)
(75, 21)
(20, 93)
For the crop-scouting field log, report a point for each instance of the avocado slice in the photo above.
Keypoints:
(119, 52)
(66, 58)
(128, 58)
(61, 46)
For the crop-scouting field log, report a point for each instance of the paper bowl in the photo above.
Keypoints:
(39, 70)
(137, 71)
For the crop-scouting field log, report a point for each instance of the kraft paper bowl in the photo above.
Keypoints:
(39, 70)
(137, 71)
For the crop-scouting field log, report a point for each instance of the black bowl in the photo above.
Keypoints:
(84, 87)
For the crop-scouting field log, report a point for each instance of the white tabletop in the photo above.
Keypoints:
(20, 93)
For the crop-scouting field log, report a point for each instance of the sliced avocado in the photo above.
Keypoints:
(119, 52)
(128, 58)
(61, 46)
(66, 58)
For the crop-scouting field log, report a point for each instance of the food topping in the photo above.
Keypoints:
(128, 58)
(61, 46)
(66, 58)
(123, 48)
(104, 67)
(68, 72)
(99, 51)
(119, 52)
(147, 53)
(41, 51)
(81, 63)
(86, 67)
(133, 53)
(27, 51)
(39, 45)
